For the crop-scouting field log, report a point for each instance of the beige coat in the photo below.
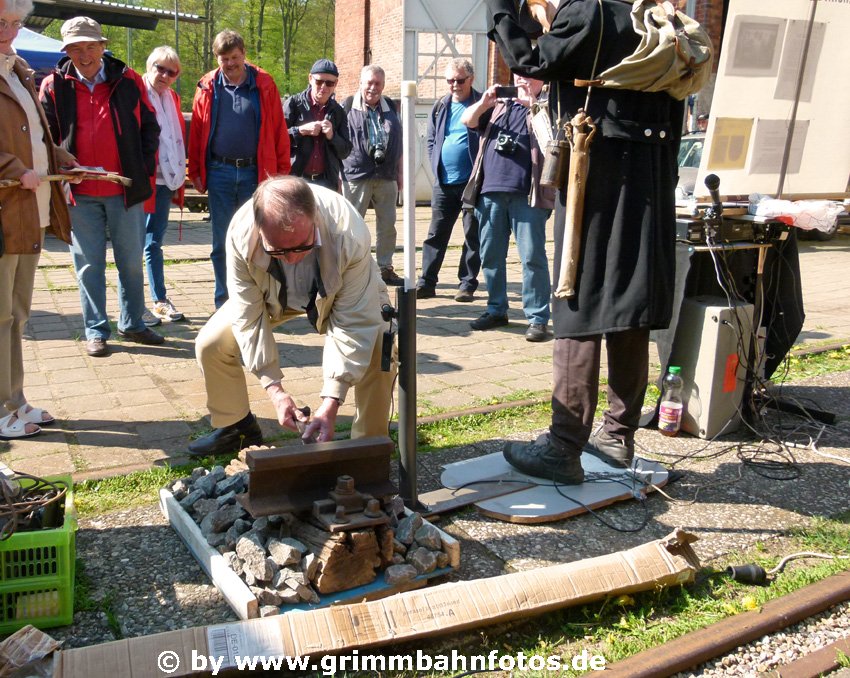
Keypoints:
(19, 213)
(349, 311)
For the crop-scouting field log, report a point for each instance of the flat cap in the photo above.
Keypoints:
(325, 66)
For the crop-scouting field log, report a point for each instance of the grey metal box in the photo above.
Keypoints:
(711, 345)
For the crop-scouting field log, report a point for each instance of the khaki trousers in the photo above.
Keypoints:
(17, 278)
(220, 361)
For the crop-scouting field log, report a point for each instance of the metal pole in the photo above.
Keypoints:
(176, 42)
(406, 304)
(786, 154)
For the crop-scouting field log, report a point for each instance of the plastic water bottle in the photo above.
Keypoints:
(670, 410)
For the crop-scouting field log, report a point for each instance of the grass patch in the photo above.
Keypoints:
(85, 602)
(474, 428)
(94, 497)
(816, 364)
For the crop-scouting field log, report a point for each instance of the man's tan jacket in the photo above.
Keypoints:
(349, 311)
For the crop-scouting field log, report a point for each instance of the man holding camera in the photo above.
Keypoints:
(371, 173)
(505, 191)
(318, 133)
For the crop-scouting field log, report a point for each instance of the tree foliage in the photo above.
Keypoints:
(283, 37)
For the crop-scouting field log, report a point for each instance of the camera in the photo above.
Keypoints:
(379, 154)
(507, 92)
(505, 144)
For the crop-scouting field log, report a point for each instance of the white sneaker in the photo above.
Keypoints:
(164, 310)
(150, 319)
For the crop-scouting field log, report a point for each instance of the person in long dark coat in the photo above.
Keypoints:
(626, 272)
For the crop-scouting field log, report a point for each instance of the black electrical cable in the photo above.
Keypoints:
(18, 511)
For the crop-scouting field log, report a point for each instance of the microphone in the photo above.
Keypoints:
(712, 183)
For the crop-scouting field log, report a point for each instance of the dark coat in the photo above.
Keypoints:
(296, 111)
(437, 122)
(627, 264)
(360, 165)
(133, 120)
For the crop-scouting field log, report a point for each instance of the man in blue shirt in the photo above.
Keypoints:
(451, 149)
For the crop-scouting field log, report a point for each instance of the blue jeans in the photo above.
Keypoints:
(155, 227)
(228, 188)
(499, 215)
(90, 218)
(446, 204)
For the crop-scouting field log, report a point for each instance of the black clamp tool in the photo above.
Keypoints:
(389, 314)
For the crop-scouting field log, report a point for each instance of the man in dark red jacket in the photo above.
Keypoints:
(98, 109)
(237, 138)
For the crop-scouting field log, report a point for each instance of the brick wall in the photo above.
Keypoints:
(387, 42)
(497, 69)
(382, 45)
(349, 43)
(710, 14)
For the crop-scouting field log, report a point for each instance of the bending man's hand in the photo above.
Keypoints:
(322, 425)
(284, 405)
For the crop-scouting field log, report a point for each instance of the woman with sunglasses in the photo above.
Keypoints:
(163, 67)
(26, 210)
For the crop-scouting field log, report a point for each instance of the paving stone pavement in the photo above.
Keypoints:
(139, 406)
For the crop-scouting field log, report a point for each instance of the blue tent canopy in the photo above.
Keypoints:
(41, 52)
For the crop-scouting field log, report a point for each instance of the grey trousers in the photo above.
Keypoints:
(382, 194)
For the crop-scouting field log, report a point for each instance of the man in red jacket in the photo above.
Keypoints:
(237, 138)
(98, 109)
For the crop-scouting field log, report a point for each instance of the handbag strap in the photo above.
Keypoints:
(590, 83)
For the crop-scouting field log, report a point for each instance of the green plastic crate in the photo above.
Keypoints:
(37, 573)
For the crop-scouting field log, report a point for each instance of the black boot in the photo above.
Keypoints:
(233, 438)
(541, 460)
(611, 450)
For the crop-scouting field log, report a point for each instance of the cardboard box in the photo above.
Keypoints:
(447, 608)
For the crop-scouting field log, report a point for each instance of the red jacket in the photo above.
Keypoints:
(273, 148)
(150, 203)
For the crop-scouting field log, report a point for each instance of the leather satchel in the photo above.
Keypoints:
(674, 54)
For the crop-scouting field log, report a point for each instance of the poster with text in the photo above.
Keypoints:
(781, 61)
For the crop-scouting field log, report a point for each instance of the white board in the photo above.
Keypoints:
(754, 98)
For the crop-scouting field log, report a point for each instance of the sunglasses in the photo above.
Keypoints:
(456, 81)
(289, 250)
(162, 70)
(327, 83)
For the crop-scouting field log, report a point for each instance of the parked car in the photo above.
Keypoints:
(690, 154)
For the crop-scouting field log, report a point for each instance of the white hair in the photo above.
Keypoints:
(162, 54)
(372, 69)
(19, 8)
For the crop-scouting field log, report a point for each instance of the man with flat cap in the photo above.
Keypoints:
(98, 109)
(296, 248)
(318, 128)
(237, 138)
